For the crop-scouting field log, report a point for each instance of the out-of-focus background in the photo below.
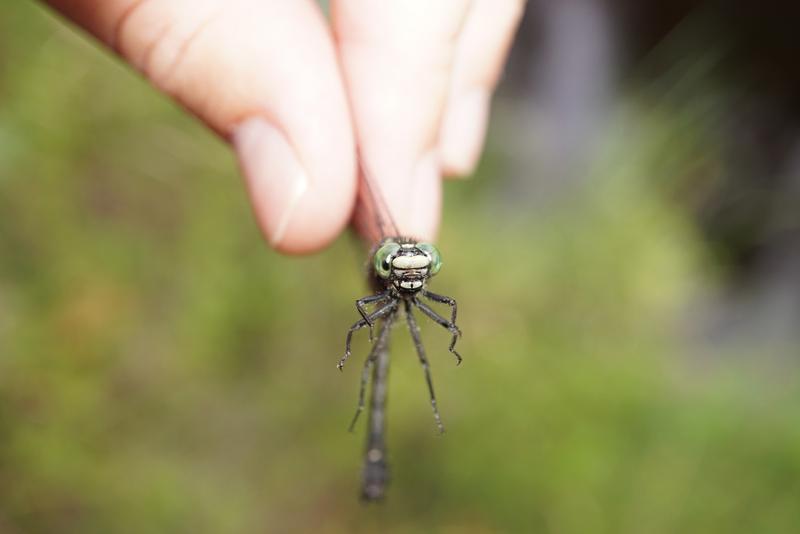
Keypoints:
(626, 260)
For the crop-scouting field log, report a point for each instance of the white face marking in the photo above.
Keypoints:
(411, 284)
(418, 261)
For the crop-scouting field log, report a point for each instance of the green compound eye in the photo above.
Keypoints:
(433, 254)
(383, 259)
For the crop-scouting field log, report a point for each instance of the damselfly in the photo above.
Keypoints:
(399, 270)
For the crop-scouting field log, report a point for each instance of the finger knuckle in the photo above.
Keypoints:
(157, 39)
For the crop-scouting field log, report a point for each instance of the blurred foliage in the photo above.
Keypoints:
(162, 371)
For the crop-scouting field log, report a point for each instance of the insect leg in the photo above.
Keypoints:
(361, 391)
(376, 348)
(412, 326)
(451, 327)
(360, 303)
(361, 323)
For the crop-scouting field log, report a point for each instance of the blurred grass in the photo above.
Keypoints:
(162, 371)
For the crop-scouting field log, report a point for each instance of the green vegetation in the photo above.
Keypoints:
(162, 371)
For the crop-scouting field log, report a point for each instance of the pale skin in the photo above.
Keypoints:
(408, 82)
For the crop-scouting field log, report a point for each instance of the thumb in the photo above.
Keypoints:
(261, 73)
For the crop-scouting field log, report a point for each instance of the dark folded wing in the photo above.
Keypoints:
(373, 218)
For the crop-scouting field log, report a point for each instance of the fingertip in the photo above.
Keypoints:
(482, 47)
(426, 198)
(297, 211)
(463, 132)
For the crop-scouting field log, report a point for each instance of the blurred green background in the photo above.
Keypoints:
(161, 370)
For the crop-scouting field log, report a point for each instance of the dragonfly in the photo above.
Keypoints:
(399, 269)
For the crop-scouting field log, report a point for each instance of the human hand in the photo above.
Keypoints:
(408, 81)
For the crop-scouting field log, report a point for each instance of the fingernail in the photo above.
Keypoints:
(463, 131)
(275, 177)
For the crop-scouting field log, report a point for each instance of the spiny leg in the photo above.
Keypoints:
(412, 325)
(361, 323)
(450, 325)
(373, 354)
(372, 299)
(443, 300)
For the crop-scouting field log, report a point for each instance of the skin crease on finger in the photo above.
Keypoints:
(230, 61)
